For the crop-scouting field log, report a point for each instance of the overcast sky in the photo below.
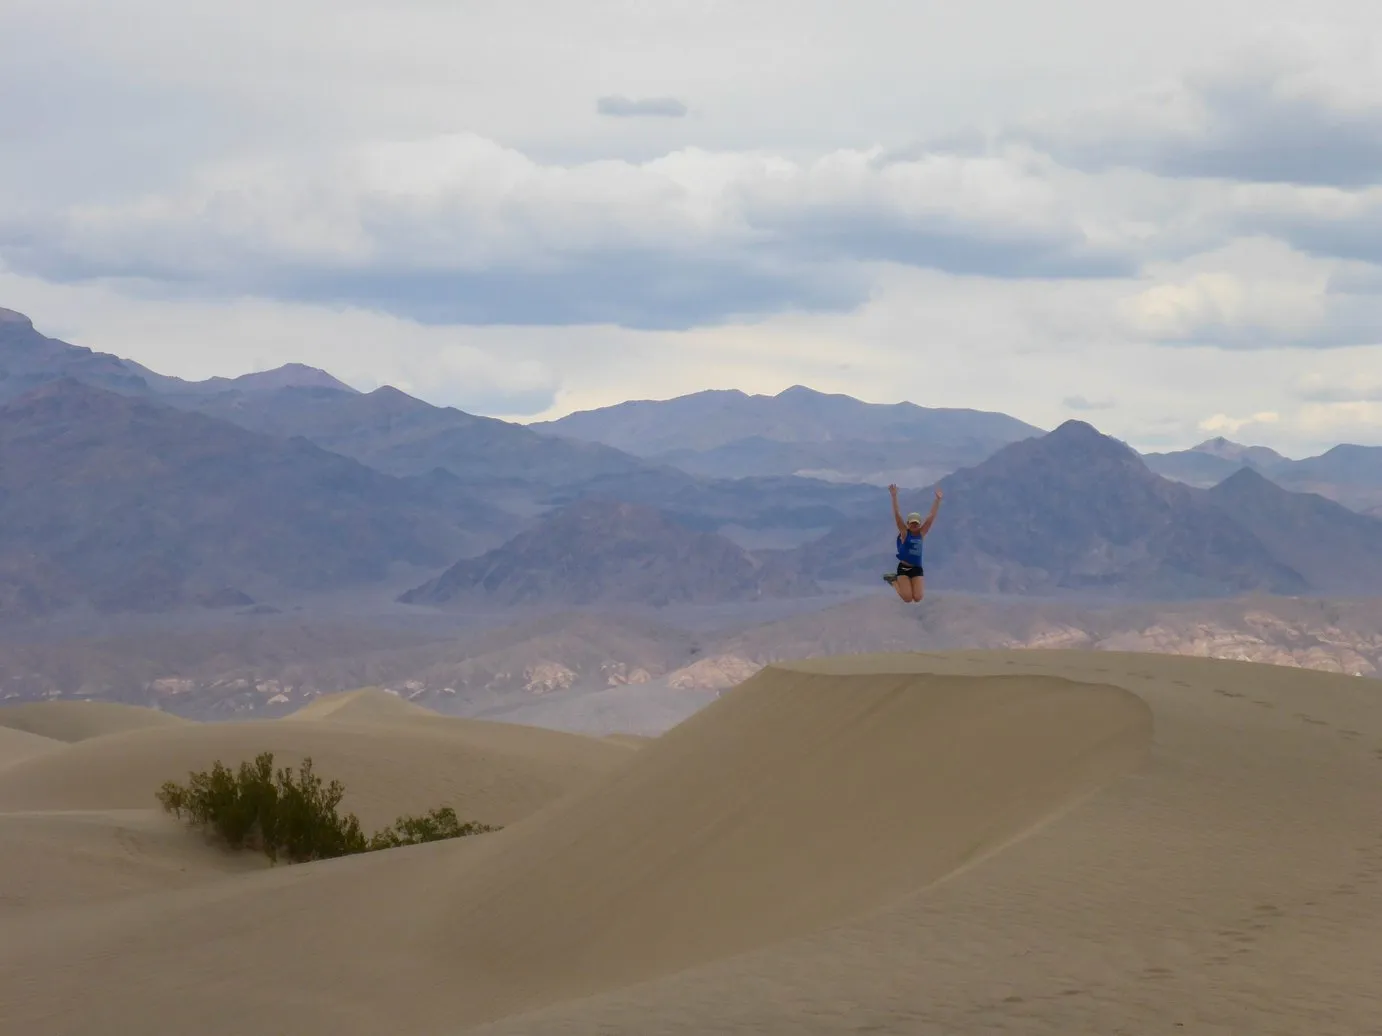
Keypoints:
(1165, 219)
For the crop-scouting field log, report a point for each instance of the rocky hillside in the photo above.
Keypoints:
(611, 552)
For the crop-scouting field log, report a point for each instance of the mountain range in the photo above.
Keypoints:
(124, 490)
(118, 503)
(799, 431)
(1347, 473)
(1075, 511)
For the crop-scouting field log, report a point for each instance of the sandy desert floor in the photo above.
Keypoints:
(1034, 842)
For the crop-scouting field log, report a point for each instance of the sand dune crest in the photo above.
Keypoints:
(367, 704)
(82, 720)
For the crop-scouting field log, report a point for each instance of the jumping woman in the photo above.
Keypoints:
(910, 580)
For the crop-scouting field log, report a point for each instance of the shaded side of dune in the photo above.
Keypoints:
(800, 799)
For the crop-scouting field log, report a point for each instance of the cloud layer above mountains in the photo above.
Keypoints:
(545, 212)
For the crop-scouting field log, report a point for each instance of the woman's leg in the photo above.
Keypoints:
(903, 586)
(918, 588)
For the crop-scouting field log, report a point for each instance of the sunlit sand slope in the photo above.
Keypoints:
(368, 704)
(1233, 884)
(802, 799)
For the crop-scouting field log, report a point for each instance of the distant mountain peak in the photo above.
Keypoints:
(1227, 449)
(1247, 478)
(1075, 432)
(10, 317)
(291, 375)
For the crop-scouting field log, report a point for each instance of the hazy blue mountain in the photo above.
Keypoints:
(1345, 464)
(1347, 474)
(727, 433)
(125, 504)
(396, 433)
(1337, 550)
(29, 359)
(525, 470)
(1212, 461)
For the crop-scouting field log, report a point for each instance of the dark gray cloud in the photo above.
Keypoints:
(1354, 233)
(647, 291)
(1362, 388)
(653, 107)
(949, 244)
(1270, 115)
(641, 289)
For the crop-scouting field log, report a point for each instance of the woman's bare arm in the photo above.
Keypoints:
(931, 517)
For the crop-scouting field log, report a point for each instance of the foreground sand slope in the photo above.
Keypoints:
(80, 720)
(801, 799)
(72, 859)
(81, 825)
(1232, 885)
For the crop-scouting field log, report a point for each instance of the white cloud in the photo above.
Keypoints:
(1223, 424)
(1357, 421)
(1252, 293)
(1355, 387)
(1081, 403)
(618, 106)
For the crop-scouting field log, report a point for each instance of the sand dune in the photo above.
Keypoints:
(70, 860)
(1023, 843)
(493, 773)
(16, 745)
(799, 800)
(631, 740)
(1231, 885)
(366, 705)
(80, 720)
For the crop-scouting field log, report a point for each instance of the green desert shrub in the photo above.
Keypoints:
(293, 816)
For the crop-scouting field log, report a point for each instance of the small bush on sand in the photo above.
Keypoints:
(293, 816)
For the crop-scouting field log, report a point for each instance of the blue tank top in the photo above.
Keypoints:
(909, 549)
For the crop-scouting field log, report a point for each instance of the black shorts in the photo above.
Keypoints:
(904, 569)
